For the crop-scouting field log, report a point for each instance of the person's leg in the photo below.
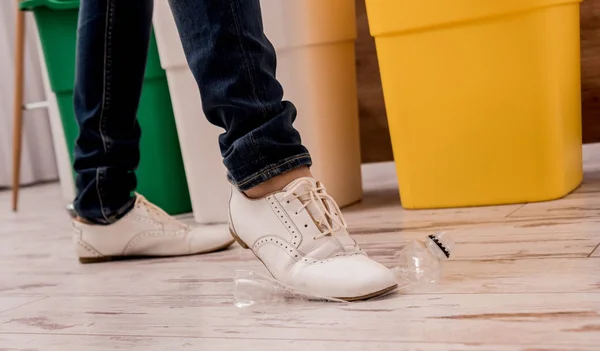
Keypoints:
(112, 46)
(276, 208)
(234, 65)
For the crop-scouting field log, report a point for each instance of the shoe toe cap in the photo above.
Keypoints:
(348, 277)
(209, 238)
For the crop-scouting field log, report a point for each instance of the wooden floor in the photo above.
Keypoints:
(524, 277)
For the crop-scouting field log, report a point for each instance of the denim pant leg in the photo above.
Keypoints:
(112, 45)
(234, 65)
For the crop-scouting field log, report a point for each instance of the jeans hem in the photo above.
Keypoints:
(270, 171)
(114, 216)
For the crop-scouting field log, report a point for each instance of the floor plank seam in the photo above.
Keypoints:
(515, 210)
(593, 251)
(559, 344)
(356, 304)
(23, 305)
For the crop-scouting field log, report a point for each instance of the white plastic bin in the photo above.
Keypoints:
(65, 169)
(206, 175)
(314, 40)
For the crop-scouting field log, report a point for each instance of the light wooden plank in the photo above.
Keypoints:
(501, 240)
(498, 240)
(8, 303)
(517, 276)
(56, 257)
(582, 206)
(45, 342)
(490, 245)
(41, 208)
(56, 253)
(194, 277)
(364, 222)
(561, 319)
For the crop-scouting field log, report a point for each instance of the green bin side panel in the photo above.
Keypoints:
(161, 175)
(53, 4)
(58, 32)
(67, 116)
(58, 35)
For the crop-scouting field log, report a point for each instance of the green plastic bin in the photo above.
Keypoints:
(161, 175)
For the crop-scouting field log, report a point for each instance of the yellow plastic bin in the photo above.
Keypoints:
(483, 98)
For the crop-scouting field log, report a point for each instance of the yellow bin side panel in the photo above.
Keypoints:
(394, 16)
(486, 112)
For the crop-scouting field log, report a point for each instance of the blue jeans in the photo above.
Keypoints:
(234, 65)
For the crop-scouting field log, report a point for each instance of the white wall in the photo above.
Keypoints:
(39, 162)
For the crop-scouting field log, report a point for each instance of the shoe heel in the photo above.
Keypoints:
(238, 240)
(86, 252)
(88, 260)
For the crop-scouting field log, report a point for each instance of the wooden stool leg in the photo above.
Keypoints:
(18, 105)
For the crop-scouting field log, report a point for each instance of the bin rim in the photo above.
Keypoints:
(395, 17)
(29, 5)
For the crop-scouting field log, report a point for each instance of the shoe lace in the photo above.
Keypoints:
(156, 212)
(317, 199)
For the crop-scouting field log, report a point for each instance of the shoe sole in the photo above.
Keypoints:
(349, 299)
(88, 260)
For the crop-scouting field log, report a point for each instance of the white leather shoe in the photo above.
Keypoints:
(300, 236)
(146, 231)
